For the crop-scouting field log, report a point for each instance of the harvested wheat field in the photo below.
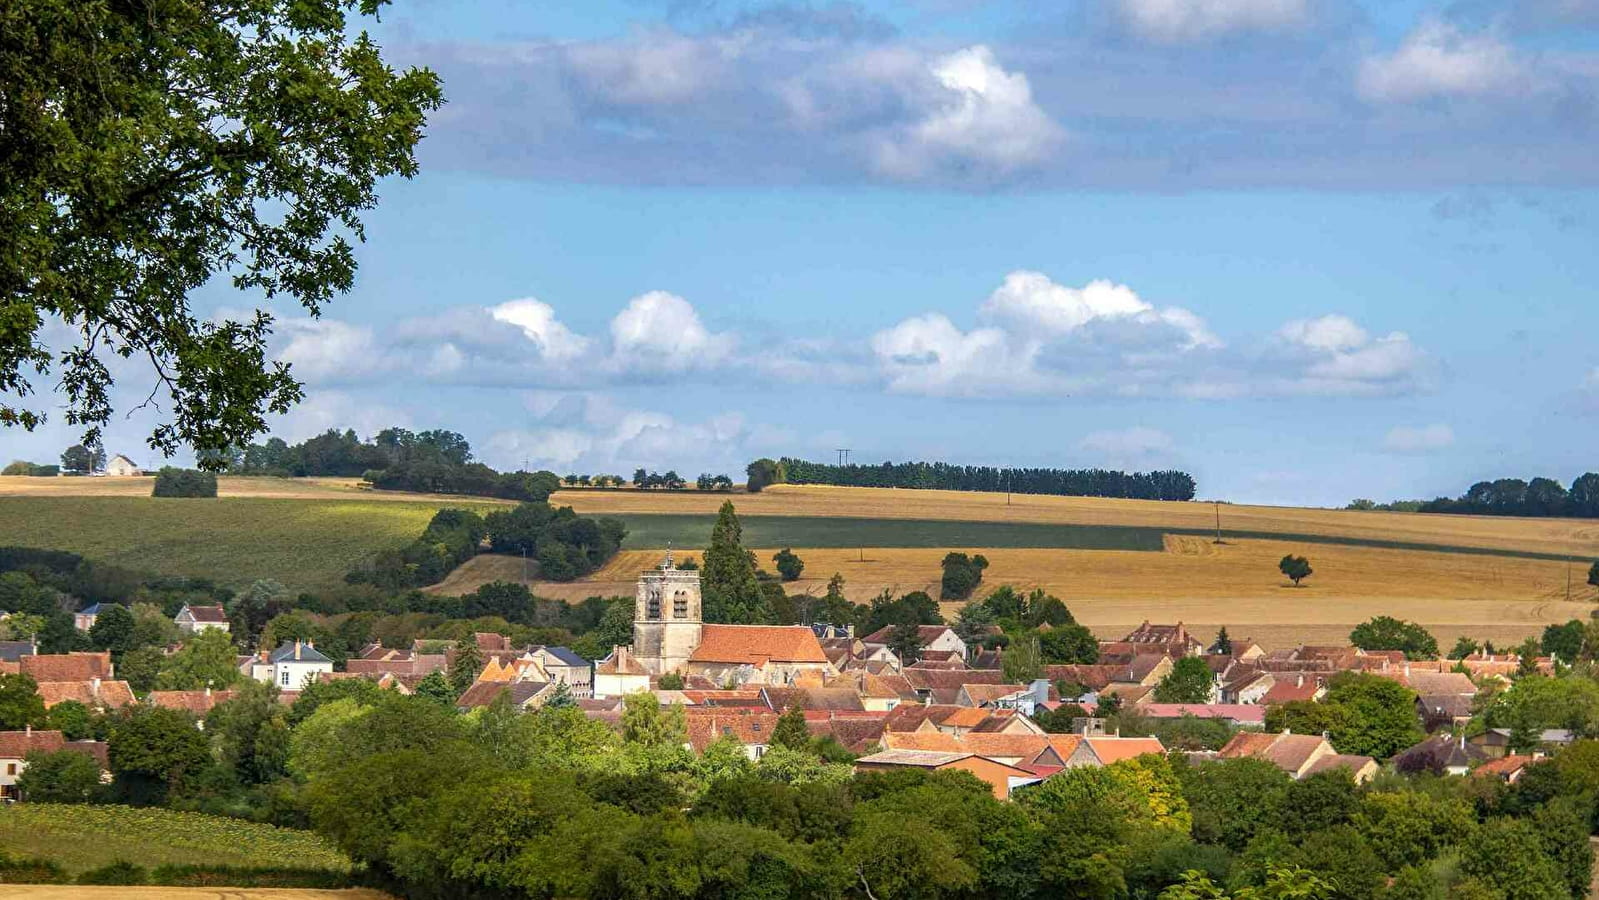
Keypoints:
(1196, 581)
(1579, 537)
(83, 892)
(255, 486)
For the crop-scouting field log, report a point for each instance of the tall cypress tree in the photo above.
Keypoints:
(730, 591)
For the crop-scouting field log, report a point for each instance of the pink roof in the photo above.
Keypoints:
(1238, 712)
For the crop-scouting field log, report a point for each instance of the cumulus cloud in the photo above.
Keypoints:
(554, 340)
(977, 114)
(1184, 21)
(660, 331)
(1337, 356)
(928, 354)
(1030, 300)
(328, 350)
(1439, 59)
(1418, 438)
(657, 67)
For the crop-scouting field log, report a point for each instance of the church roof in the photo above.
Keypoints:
(757, 644)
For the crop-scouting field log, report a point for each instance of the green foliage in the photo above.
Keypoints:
(1537, 702)
(119, 872)
(113, 630)
(253, 158)
(961, 576)
(65, 776)
(1389, 633)
(1297, 568)
(789, 565)
(1067, 644)
(208, 659)
(905, 642)
(251, 734)
(731, 594)
(1507, 855)
(154, 751)
(761, 474)
(1464, 647)
(20, 703)
(1022, 662)
(1233, 800)
(1564, 642)
(173, 482)
(1362, 714)
(671, 681)
(790, 731)
(436, 686)
(74, 720)
(1189, 681)
(567, 546)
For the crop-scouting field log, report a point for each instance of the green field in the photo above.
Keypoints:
(79, 838)
(306, 544)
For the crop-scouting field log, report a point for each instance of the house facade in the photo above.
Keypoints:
(16, 745)
(121, 466)
(194, 619)
(292, 666)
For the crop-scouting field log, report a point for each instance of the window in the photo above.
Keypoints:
(680, 605)
(11, 768)
(285, 678)
(652, 605)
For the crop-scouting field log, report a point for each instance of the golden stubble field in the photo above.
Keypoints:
(1193, 581)
(1578, 537)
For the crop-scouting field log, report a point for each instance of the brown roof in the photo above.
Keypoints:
(108, 694)
(1504, 767)
(484, 693)
(991, 693)
(620, 662)
(749, 726)
(18, 744)
(1287, 690)
(933, 679)
(1288, 752)
(855, 732)
(1437, 683)
(66, 666)
(1340, 761)
(208, 614)
(965, 717)
(781, 698)
(1095, 678)
(910, 716)
(757, 644)
(197, 702)
(926, 634)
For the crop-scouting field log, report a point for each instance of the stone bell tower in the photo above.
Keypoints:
(666, 617)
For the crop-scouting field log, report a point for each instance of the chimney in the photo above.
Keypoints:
(208, 689)
(94, 687)
(1407, 670)
(27, 730)
(297, 647)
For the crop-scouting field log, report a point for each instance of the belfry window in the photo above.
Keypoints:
(680, 605)
(652, 608)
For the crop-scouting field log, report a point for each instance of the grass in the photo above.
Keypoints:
(79, 838)
(82, 892)
(307, 544)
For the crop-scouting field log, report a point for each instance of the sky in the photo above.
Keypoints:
(1306, 250)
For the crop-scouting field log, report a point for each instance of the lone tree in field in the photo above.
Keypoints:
(1297, 568)
(152, 147)
(789, 565)
(1593, 574)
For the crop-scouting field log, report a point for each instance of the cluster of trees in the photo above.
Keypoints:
(566, 545)
(1033, 630)
(550, 803)
(451, 538)
(79, 459)
(594, 481)
(671, 481)
(1166, 485)
(23, 467)
(472, 479)
(1389, 633)
(173, 482)
(1515, 497)
(961, 574)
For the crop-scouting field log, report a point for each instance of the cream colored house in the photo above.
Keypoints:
(120, 465)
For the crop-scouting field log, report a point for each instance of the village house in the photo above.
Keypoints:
(1002, 778)
(84, 619)
(1495, 742)
(1441, 754)
(938, 641)
(1508, 769)
(292, 666)
(567, 668)
(619, 674)
(193, 619)
(750, 727)
(1297, 754)
(121, 467)
(16, 745)
(200, 702)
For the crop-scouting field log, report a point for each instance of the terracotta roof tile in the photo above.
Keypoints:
(749, 726)
(1504, 767)
(757, 645)
(208, 613)
(1116, 749)
(197, 702)
(933, 679)
(66, 666)
(109, 694)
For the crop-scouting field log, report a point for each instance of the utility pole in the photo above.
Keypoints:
(524, 565)
(1007, 487)
(1218, 521)
(1568, 579)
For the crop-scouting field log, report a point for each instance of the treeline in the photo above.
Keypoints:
(1163, 485)
(396, 459)
(1514, 497)
(565, 545)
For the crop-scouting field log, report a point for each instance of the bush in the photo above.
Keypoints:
(119, 872)
(173, 482)
(249, 877)
(30, 870)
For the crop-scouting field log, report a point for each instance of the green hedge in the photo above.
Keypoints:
(171, 482)
(119, 872)
(249, 877)
(30, 870)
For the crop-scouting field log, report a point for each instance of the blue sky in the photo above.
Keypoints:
(1305, 249)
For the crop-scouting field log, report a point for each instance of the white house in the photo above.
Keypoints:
(121, 465)
(292, 666)
(198, 618)
(619, 674)
(84, 619)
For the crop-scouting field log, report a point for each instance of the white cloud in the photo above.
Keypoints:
(1336, 356)
(1184, 21)
(660, 331)
(321, 410)
(1438, 59)
(326, 350)
(659, 67)
(1418, 439)
(592, 433)
(537, 321)
(928, 354)
(1128, 444)
(1030, 301)
(976, 114)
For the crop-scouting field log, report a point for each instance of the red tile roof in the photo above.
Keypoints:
(1237, 712)
(707, 724)
(66, 666)
(758, 644)
(1116, 749)
(208, 613)
(109, 694)
(197, 702)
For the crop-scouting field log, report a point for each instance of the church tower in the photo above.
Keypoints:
(666, 617)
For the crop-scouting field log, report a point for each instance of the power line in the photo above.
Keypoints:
(843, 456)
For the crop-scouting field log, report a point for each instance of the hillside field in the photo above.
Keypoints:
(88, 892)
(79, 838)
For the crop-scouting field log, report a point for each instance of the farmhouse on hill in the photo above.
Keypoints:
(669, 636)
(120, 465)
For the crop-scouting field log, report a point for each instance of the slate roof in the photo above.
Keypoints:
(91, 610)
(757, 645)
(1438, 752)
(11, 651)
(297, 651)
(567, 657)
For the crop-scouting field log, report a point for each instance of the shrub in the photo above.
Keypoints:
(249, 877)
(173, 482)
(119, 872)
(30, 870)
